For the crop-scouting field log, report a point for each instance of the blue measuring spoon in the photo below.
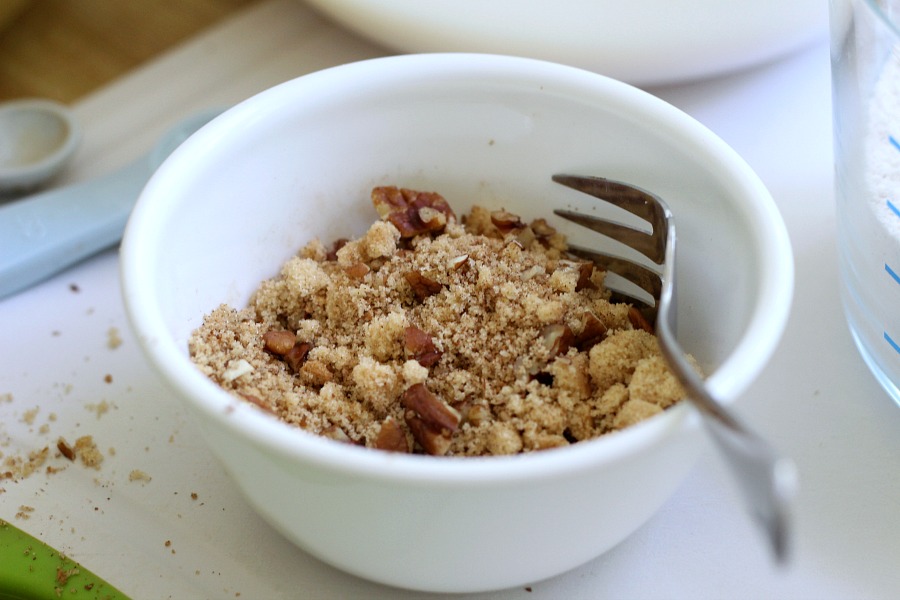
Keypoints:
(46, 233)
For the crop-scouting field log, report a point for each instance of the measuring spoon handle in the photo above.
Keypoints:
(46, 233)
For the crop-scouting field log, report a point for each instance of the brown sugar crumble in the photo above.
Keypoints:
(138, 475)
(87, 451)
(113, 338)
(432, 334)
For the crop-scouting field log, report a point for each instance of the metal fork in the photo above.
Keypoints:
(766, 479)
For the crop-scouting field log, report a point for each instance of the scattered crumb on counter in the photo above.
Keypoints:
(21, 466)
(113, 339)
(87, 451)
(138, 475)
(29, 415)
(100, 408)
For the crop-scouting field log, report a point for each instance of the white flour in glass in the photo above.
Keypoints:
(869, 229)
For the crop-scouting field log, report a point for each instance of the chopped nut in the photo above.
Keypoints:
(432, 218)
(391, 437)
(585, 271)
(237, 368)
(557, 338)
(542, 229)
(458, 262)
(435, 442)
(387, 200)
(279, 342)
(422, 286)
(638, 320)
(506, 222)
(65, 449)
(296, 356)
(592, 332)
(429, 408)
(411, 212)
(420, 347)
(357, 270)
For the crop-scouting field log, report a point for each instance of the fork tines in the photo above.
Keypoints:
(652, 244)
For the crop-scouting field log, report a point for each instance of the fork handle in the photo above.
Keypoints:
(767, 481)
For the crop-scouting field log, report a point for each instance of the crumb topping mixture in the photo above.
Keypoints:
(436, 335)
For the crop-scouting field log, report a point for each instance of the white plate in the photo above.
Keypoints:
(643, 42)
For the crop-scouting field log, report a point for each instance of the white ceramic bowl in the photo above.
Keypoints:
(643, 42)
(299, 160)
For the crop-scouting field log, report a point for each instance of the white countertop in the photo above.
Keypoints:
(816, 400)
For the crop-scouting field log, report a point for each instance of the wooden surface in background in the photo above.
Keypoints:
(65, 49)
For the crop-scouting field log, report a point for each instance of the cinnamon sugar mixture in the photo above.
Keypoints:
(433, 335)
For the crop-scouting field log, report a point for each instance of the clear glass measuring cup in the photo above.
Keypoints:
(865, 60)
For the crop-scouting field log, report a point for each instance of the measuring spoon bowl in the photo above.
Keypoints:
(37, 139)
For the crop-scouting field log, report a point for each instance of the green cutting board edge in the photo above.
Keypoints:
(32, 570)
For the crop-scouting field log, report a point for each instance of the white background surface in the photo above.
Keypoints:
(816, 400)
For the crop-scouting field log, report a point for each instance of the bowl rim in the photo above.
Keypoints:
(606, 36)
(278, 439)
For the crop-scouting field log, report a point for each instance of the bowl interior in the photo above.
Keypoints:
(298, 161)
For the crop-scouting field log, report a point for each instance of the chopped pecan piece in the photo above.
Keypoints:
(296, 356)
(542, 229)
(357, 270)
(557, 338)
(65, 449)
(506, 222)
(592, 332)
(429, 408)
(638, 320)
(458, 262)
(420, 346)
(585, 271)
(435, 442)
(412, 212)
(391, 437)
(422, 286)
(432, 218)
(279, 342)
